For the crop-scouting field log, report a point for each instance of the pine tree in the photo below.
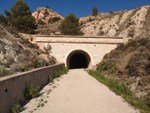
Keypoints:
(20, 17)
(70, 26)
(94, 11)
(3, 19)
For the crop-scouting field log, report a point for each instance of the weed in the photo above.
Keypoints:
(38, 105)
(63, 70)
(41, 99)
(16, 108)
(48, 91)
(50, 79)
(31, 92)
(42, 104)
(45, 101)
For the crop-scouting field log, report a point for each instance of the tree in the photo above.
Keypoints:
(70, 26)
(3, 19)
(47, 7)
(21, 18)
(8, 16)
(94, 11)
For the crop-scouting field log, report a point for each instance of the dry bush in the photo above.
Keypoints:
(9, 58)
(22, 58)
(1, 71)
(16, 67)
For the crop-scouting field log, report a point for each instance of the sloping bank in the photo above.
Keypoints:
(126, 71)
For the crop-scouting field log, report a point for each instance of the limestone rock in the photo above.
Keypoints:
(45, 13)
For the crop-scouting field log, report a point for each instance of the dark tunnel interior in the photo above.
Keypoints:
(78, 60)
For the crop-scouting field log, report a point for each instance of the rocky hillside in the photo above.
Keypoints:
(128, 24)
(43, 13)
(17, 54)
(50, 20)
(130, 63)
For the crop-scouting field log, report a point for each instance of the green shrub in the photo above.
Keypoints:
(120, 89)
(57, 74)
(90, 19)
(109, 64)
(16, 108)
(40, 22)
(63, 70)
(55, 19)
(101, 33)
(31, 92)
(50, 79)
(144, 41)
(40, 62)
(7, 65)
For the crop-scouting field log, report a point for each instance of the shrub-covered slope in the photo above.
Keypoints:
(130, 63)
(128, 23)
(17, 54)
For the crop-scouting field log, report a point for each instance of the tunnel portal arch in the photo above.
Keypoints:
(78, 59)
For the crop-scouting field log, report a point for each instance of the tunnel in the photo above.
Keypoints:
(78, 59)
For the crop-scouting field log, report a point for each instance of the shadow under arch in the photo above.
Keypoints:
(78, 59)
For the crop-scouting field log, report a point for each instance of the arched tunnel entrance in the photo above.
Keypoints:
(78, 59)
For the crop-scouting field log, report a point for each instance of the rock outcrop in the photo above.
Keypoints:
(17, 54)
(45, 14)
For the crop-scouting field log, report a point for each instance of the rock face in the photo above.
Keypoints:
(44, 13)
(17, 54)
(127, 24)
(47, 27)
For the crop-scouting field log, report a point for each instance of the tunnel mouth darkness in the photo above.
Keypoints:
(78, 59)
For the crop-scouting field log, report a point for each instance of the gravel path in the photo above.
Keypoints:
(77, 92)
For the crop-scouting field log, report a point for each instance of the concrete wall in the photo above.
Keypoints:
(12, 87)
(96, 52)
(95, 47)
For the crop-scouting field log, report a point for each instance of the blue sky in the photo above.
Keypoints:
(79, 7)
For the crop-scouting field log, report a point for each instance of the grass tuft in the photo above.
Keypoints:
(122, 90)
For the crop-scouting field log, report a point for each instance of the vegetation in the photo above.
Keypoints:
(3, 19)
(50, 79)
(48, 49)
(55, 19)
(20, 17)
(94, 11)
(16, 108)
(47, 7)
(40, 22)
(70, 26)
(130, 64)
(63, 70)
(120, 89)
(31, 92)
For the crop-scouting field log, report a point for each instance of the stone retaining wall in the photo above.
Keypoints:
(12, 87)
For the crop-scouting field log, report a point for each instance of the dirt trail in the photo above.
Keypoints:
(77, 92)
